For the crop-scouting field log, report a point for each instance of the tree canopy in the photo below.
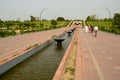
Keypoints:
(91, 18)
(60, 19)
(116, 20)
(88, 18)
(53, 22)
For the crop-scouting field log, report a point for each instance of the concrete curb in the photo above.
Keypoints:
(79, 62)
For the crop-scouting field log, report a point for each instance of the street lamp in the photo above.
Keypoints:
(42, 12)
(108, 12)
(55, 16)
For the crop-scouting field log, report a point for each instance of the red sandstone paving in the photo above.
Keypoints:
(13, 44)
(105, 48)
(106, 51)
(85, 65)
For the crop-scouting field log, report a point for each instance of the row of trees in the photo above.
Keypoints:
(32, 19)
(116, 23)
(95, 18)
(116, 20)
(91, 18)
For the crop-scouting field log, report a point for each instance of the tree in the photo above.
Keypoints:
(105, 19)
(32, 18)
(88, 18)
(54, 23)
(60, 19)
(91, 18)
(1, 20)
(116, 19)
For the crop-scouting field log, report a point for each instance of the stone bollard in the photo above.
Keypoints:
(69, 33)
(59, 43)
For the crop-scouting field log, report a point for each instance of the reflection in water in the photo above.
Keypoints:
(41, 66)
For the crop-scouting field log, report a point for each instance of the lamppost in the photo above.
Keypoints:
(55, 16)
(42, 12)
(108, 12)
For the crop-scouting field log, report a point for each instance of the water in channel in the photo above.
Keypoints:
(41, 66)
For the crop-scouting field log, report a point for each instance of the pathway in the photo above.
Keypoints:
(101, 56)
(9, 46)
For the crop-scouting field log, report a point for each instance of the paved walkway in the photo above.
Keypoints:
(101, 56)
(11, 45)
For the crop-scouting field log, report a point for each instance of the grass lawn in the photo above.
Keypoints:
(100, 23)
(104, 26)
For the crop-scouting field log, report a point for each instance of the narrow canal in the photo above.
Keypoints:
(41, 66)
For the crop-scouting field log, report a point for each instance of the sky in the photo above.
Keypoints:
(69, 9)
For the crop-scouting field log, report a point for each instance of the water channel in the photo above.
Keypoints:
(41, 66)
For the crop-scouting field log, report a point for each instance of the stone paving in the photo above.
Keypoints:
(11, 45)
(101, 56)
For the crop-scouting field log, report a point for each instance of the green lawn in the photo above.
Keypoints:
(100, 23)
(104, 26)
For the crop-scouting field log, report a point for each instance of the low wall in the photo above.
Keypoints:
(61, 69)
(24, 55)
(79, 60)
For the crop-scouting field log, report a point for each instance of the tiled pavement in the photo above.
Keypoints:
(11, 45)
(101, 56)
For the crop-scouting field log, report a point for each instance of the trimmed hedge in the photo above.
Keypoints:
(5, 33)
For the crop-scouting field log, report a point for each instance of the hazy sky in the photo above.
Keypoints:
(69, 9)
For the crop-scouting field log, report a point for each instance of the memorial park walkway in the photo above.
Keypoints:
(99, 57)
(14, 45)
